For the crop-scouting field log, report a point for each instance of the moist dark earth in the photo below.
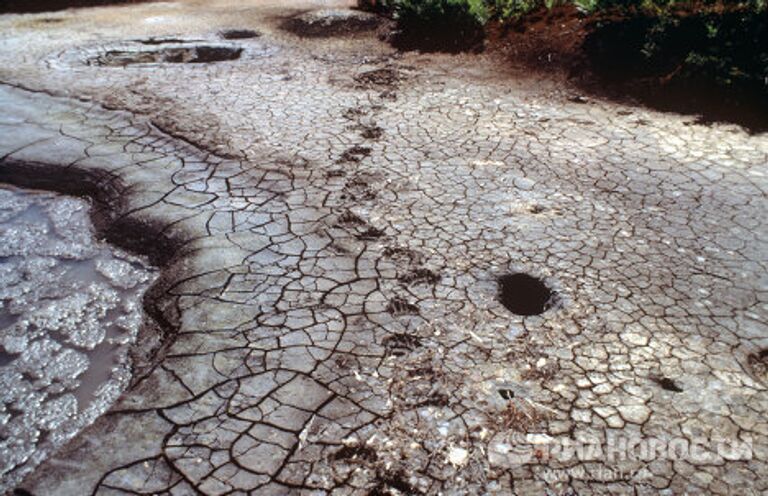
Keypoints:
(343, 230)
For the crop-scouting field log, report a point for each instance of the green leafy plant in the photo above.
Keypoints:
(441, 24)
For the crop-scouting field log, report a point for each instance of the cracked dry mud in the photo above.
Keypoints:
(333, 217)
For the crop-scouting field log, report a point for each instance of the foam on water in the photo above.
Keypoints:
(70, 307)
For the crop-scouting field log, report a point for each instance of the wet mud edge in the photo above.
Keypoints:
(133, 234)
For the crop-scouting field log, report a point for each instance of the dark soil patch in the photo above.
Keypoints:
(544, 40)
(399, 306)
(359, 187)
(161, 41)
(758, 363)
(200, 54)
(239, 34)
(385, 77)
(400, 344)
(436, 399)
(350, 219)
(323, 24)
(448, 31)
(371, 132)
(355, 154)
(402, 254)
(386, 482)
(356, 453)
(524, 295)
(20, 6)
(419, 276)
(354, 113)
(371, 234)
(667, 384)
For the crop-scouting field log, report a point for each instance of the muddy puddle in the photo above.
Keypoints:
(70, 307)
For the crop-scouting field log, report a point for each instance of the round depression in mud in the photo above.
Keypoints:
(330, 22)
(194, 54)
(525, 295)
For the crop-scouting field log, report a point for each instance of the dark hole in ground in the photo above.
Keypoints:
(522, 294)
(171, 55)
(330, 23)
(507, 394)
(239, 34)
(667, 384)
(399, 306)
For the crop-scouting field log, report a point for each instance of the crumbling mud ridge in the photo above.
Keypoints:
(388, 273)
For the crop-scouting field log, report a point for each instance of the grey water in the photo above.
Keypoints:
(70, 308)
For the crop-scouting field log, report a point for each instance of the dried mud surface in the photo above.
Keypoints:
(340, 215)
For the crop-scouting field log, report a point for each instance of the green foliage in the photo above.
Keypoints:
(513, 9)
(453, 12)
(722, 42)
(728, 49)
(451, 24)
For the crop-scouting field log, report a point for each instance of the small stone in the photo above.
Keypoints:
(636, 414)
(458, 456)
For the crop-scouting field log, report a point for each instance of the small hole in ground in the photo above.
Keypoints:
(522, 294)
(507, 394)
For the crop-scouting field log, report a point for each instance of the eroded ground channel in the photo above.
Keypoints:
(380, 272)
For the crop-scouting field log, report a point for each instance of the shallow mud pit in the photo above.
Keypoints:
(194, 54)
(70, 307)
(326, 23)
